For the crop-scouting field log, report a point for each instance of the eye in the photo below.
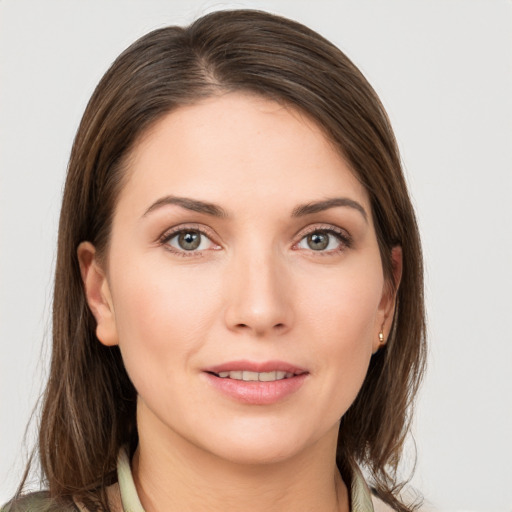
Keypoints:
(188, 240)
(324, 240)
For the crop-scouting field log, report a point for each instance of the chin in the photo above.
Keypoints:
(257, 453)
(268, 444)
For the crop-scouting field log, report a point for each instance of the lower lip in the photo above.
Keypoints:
(256, 392)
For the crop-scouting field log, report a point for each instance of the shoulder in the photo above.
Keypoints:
(37, 502)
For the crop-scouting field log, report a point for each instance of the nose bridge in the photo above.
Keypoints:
(258, 297)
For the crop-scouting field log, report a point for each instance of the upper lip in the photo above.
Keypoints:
(255, 366)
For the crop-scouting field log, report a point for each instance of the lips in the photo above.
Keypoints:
(258, 367)
(256, 383)
(249, 376)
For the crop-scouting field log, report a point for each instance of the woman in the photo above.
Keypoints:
(238, 313)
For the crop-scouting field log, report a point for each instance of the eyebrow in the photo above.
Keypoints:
(302, 210)
(326, 204)
(190, 204)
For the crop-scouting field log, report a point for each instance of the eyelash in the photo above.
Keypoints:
(341, 235)
(174, 232)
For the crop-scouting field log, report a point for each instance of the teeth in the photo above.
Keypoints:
(250, 376)
(256, 376)
(269, 376)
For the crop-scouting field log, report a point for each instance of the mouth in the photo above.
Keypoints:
(251, 371)
(249, 376)
(256, 383)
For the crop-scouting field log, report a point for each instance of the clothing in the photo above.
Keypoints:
(123, 496)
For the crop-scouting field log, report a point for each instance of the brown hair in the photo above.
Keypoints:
(89, 404)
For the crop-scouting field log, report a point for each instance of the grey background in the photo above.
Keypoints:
(443, 69)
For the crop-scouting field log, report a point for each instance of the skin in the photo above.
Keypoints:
(254, 290)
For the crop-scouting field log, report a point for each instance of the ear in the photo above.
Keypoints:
(97, 292)
(388, 300)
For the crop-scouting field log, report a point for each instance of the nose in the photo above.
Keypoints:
(259, 296)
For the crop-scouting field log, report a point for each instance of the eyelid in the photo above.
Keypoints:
(170, 233)
(342, 234)
(323, 227)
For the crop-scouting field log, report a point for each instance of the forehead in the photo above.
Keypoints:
(238, 146)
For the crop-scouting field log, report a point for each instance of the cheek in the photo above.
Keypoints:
(341, 317)
(162, 317)
(344, 305)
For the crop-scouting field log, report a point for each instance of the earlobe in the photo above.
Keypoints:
(97, 292)
(388, 300)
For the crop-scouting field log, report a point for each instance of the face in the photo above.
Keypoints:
(243, 282)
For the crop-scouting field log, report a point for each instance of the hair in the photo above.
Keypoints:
(89, 404)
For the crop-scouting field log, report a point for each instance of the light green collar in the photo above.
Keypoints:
(360, 496)
(129, 496)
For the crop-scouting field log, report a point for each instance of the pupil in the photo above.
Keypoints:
(189, 240)
(318, 241)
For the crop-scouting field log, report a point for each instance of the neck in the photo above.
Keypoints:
(174, 475)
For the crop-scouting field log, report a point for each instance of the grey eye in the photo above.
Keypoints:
(318, 241)
(189, 240)
(323, 240)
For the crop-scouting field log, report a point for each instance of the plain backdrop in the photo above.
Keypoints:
(443, 69)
